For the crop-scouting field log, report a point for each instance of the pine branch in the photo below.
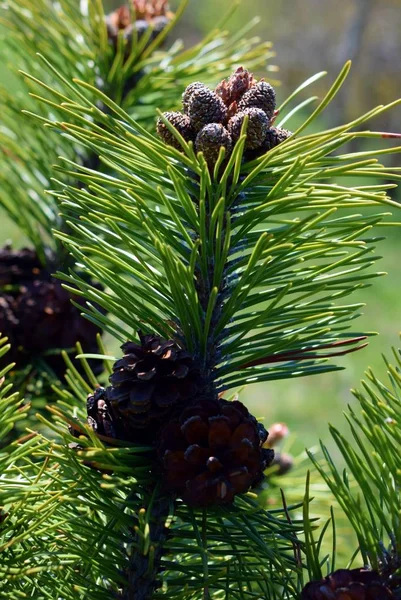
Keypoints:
(225, 256)
(76, 42)
(372, 505)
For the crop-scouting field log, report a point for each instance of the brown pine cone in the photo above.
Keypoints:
(150, 380)
(212, 452)
(258, 125)
(345, 584)
(18, 265)
(43, 319)
(261, 95)
(205, 107)
(189, 91)
(181, 123)
(210, 139)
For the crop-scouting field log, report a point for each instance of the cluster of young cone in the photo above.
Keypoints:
(135, 20)
(213, 119)
(349, 584)
(209, 449)
(36, 313)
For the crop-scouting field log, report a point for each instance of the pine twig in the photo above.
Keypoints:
(144, 562)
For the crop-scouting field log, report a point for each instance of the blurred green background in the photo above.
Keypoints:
(311, 36)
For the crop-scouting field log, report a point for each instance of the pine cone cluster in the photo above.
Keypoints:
(135, 20)
(213, 119)
(348, 584)
(209, 449)
(36, 312)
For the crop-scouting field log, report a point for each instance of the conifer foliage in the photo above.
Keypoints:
(126, 55)
(219, 250)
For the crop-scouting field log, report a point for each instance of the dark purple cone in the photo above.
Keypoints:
(258, 125)
(206, 107)
(189, 91)
(150, 381)
(261, 95)
(210, 139)
(274, 137)
(213, 452)
(345, 584)
(40, 311)
(181, 123)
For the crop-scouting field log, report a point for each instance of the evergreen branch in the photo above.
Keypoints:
(233, 257)
(147, 78)
(373, 505)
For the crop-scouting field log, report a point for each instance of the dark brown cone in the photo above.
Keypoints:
(274, 137)
(258, 125)
(181, 123)
(206, 107)
(261, 95)
(8, 323)
(210, 139)
(189, 91)
(40, 310)
(213, 452)
(17, 266)
(150, 381)
(345, 584)
(234, 88)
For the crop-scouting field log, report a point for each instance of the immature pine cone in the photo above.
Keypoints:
(261, 95)
(210, 139)
(345, 584)
(274, 137)
(258, 125)
(150, 380)
(189, 91)
(182, 124)
(213, 452)
(205, 107)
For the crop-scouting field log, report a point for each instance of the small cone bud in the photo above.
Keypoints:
(210, 139)
(237, 85)
(274, 137)
(261, 95)
(283, 463)
(258, 125)
(277, 432)
(189, 91)
(206, 107)
(181, 123)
